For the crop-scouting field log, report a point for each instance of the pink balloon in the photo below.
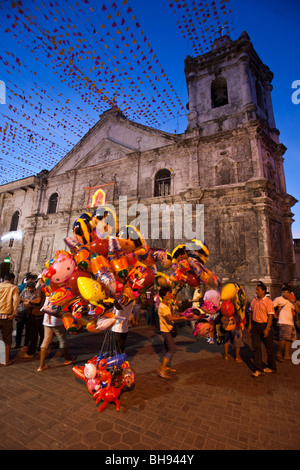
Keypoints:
(131, 259)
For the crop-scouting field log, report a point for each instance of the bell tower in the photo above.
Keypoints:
(241, 177)
(229, 86)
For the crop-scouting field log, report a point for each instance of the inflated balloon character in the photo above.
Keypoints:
(162, 279)
(61, 268)
(118, 260)
(102, 323)
(234, 293)
(104, 222)
(91, 290)
(200, 248)
(91, 376)
(228, 320)
(139, 277)
(130, 239)
(150, 256)
(78, 308)
(205, 329)
(103, 273)
(73, 325)
(204, 275)
(83, 229)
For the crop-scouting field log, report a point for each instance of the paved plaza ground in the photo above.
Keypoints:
(209, 404)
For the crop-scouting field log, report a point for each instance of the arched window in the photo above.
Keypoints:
(162, 183)
(14, 221)
(52, 203)
(219, 95)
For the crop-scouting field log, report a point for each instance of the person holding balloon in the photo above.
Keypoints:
(121, 326)
(166, 323)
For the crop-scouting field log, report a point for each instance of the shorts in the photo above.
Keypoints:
(7, 328)
(234, 337)
(59, 332)
(287, 332)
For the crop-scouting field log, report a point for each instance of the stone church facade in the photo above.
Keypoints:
(228, 161)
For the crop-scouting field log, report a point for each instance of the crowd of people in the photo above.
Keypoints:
(23, 305)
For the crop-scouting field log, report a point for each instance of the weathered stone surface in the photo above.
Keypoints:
(229, 159)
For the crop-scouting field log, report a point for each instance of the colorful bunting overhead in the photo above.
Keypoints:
(67, 62)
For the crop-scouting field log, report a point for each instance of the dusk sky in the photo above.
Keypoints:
(64, 63)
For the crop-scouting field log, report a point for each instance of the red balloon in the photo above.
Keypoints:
(119, 287)
(192, 280)
(99, 246)
(72, 281)
(149, 277)
(227, 308)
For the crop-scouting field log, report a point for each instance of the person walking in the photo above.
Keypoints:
(260, 327)
(9, 302)
(285, 312)
(150, 305)
(53, 325)
(166, 324)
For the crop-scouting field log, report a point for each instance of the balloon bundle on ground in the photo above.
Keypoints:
(108, 374)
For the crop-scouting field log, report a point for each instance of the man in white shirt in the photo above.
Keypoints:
(285, 312)
(121, 326)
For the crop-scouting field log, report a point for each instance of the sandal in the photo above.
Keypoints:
(28, 356)
(40, 369)
(257, 373)
(267, 370)
(162, 374)
(239, 359)
(70, 361)
(170, 369)
(67, 363)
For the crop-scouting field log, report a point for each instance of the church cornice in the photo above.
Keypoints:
(20, 185)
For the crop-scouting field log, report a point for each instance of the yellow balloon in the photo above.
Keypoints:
(228, 292)
(91, 290)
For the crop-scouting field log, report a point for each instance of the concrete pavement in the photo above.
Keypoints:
(209, 404)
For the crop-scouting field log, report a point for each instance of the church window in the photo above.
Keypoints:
(52, 203)
(14, 221)
(162, 184)
(219, 94)
(224, 173)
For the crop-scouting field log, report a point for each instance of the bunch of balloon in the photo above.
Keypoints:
(106, 378)
(104, 268)
(233, 310)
